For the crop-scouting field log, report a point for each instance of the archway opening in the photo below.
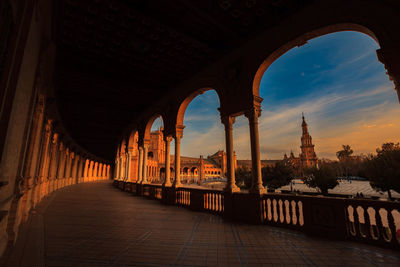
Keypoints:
(154, 141)
(203, 139)
(338, 83)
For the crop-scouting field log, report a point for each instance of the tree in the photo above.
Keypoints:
(278, 175)
(345, 160)
(323, 178)
(345, 153)
(383, 170)
(243, 177)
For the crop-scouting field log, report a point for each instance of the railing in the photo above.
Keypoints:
(376, 222)
(183, 196)
(213, 201)
(282, 210)
(369, 221)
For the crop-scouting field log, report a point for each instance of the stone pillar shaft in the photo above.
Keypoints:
(128, 166)
(145, 152)
(45, 152)
(121, 168)
(257, 186)
(140, 165)
(177, 181)
(230, 159)
(167, 181)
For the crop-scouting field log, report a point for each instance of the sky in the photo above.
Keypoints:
(335, 79)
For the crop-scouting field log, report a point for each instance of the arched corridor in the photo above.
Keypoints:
(77, 226)
(83, 82)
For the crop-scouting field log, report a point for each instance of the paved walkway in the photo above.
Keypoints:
(95, 224)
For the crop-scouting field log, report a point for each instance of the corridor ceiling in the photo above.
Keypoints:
(115, 58)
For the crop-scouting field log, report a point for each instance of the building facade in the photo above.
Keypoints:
(192, 169)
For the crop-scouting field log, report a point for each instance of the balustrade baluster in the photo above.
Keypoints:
(263, 209)
(222, 203)
(356, 222)
(214, 202)
(272, 210)
(392, 228)
(284, 211)
(379, 225)
(297, 209)
(367, 223)
(290, 212)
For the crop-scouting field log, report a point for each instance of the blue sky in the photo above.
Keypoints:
(336, 80)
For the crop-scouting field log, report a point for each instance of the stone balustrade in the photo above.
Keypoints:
(369, 221)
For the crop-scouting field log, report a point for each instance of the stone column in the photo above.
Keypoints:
(116, 170)
(79, 170)
(253, 114)
(140, 165)
(178, 136)
(33, 157)
(167, 181)
(54, 163)
(99, 171)
(128, 165)
(86, 170)
(145, 152)
(44, 161)
(61, 165)
(90, 171)
(95, 170)
(121, 167)
(230, 159)
(389, 55)
(74, 170)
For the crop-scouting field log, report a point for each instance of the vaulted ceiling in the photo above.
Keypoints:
(117, 57)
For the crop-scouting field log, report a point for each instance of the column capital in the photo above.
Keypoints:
(255, 111)
(179, 131)
(168, 138)
(47, 127)
(61, 146)
(54, 139)
(228, 120)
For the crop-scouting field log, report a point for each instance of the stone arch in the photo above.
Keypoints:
(145, 129)
(303, 39)
(185, 103)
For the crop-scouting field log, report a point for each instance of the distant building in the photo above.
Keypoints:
(246, 163)
(308, 157)
(192, 169)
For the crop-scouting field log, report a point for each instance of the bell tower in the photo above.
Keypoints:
(308, 157)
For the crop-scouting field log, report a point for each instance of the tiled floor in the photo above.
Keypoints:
(95, 224)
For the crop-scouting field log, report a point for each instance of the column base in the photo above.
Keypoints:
(231, 189)
(177, 185)
(259, 190)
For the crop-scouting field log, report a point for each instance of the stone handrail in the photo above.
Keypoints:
(369, 221)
